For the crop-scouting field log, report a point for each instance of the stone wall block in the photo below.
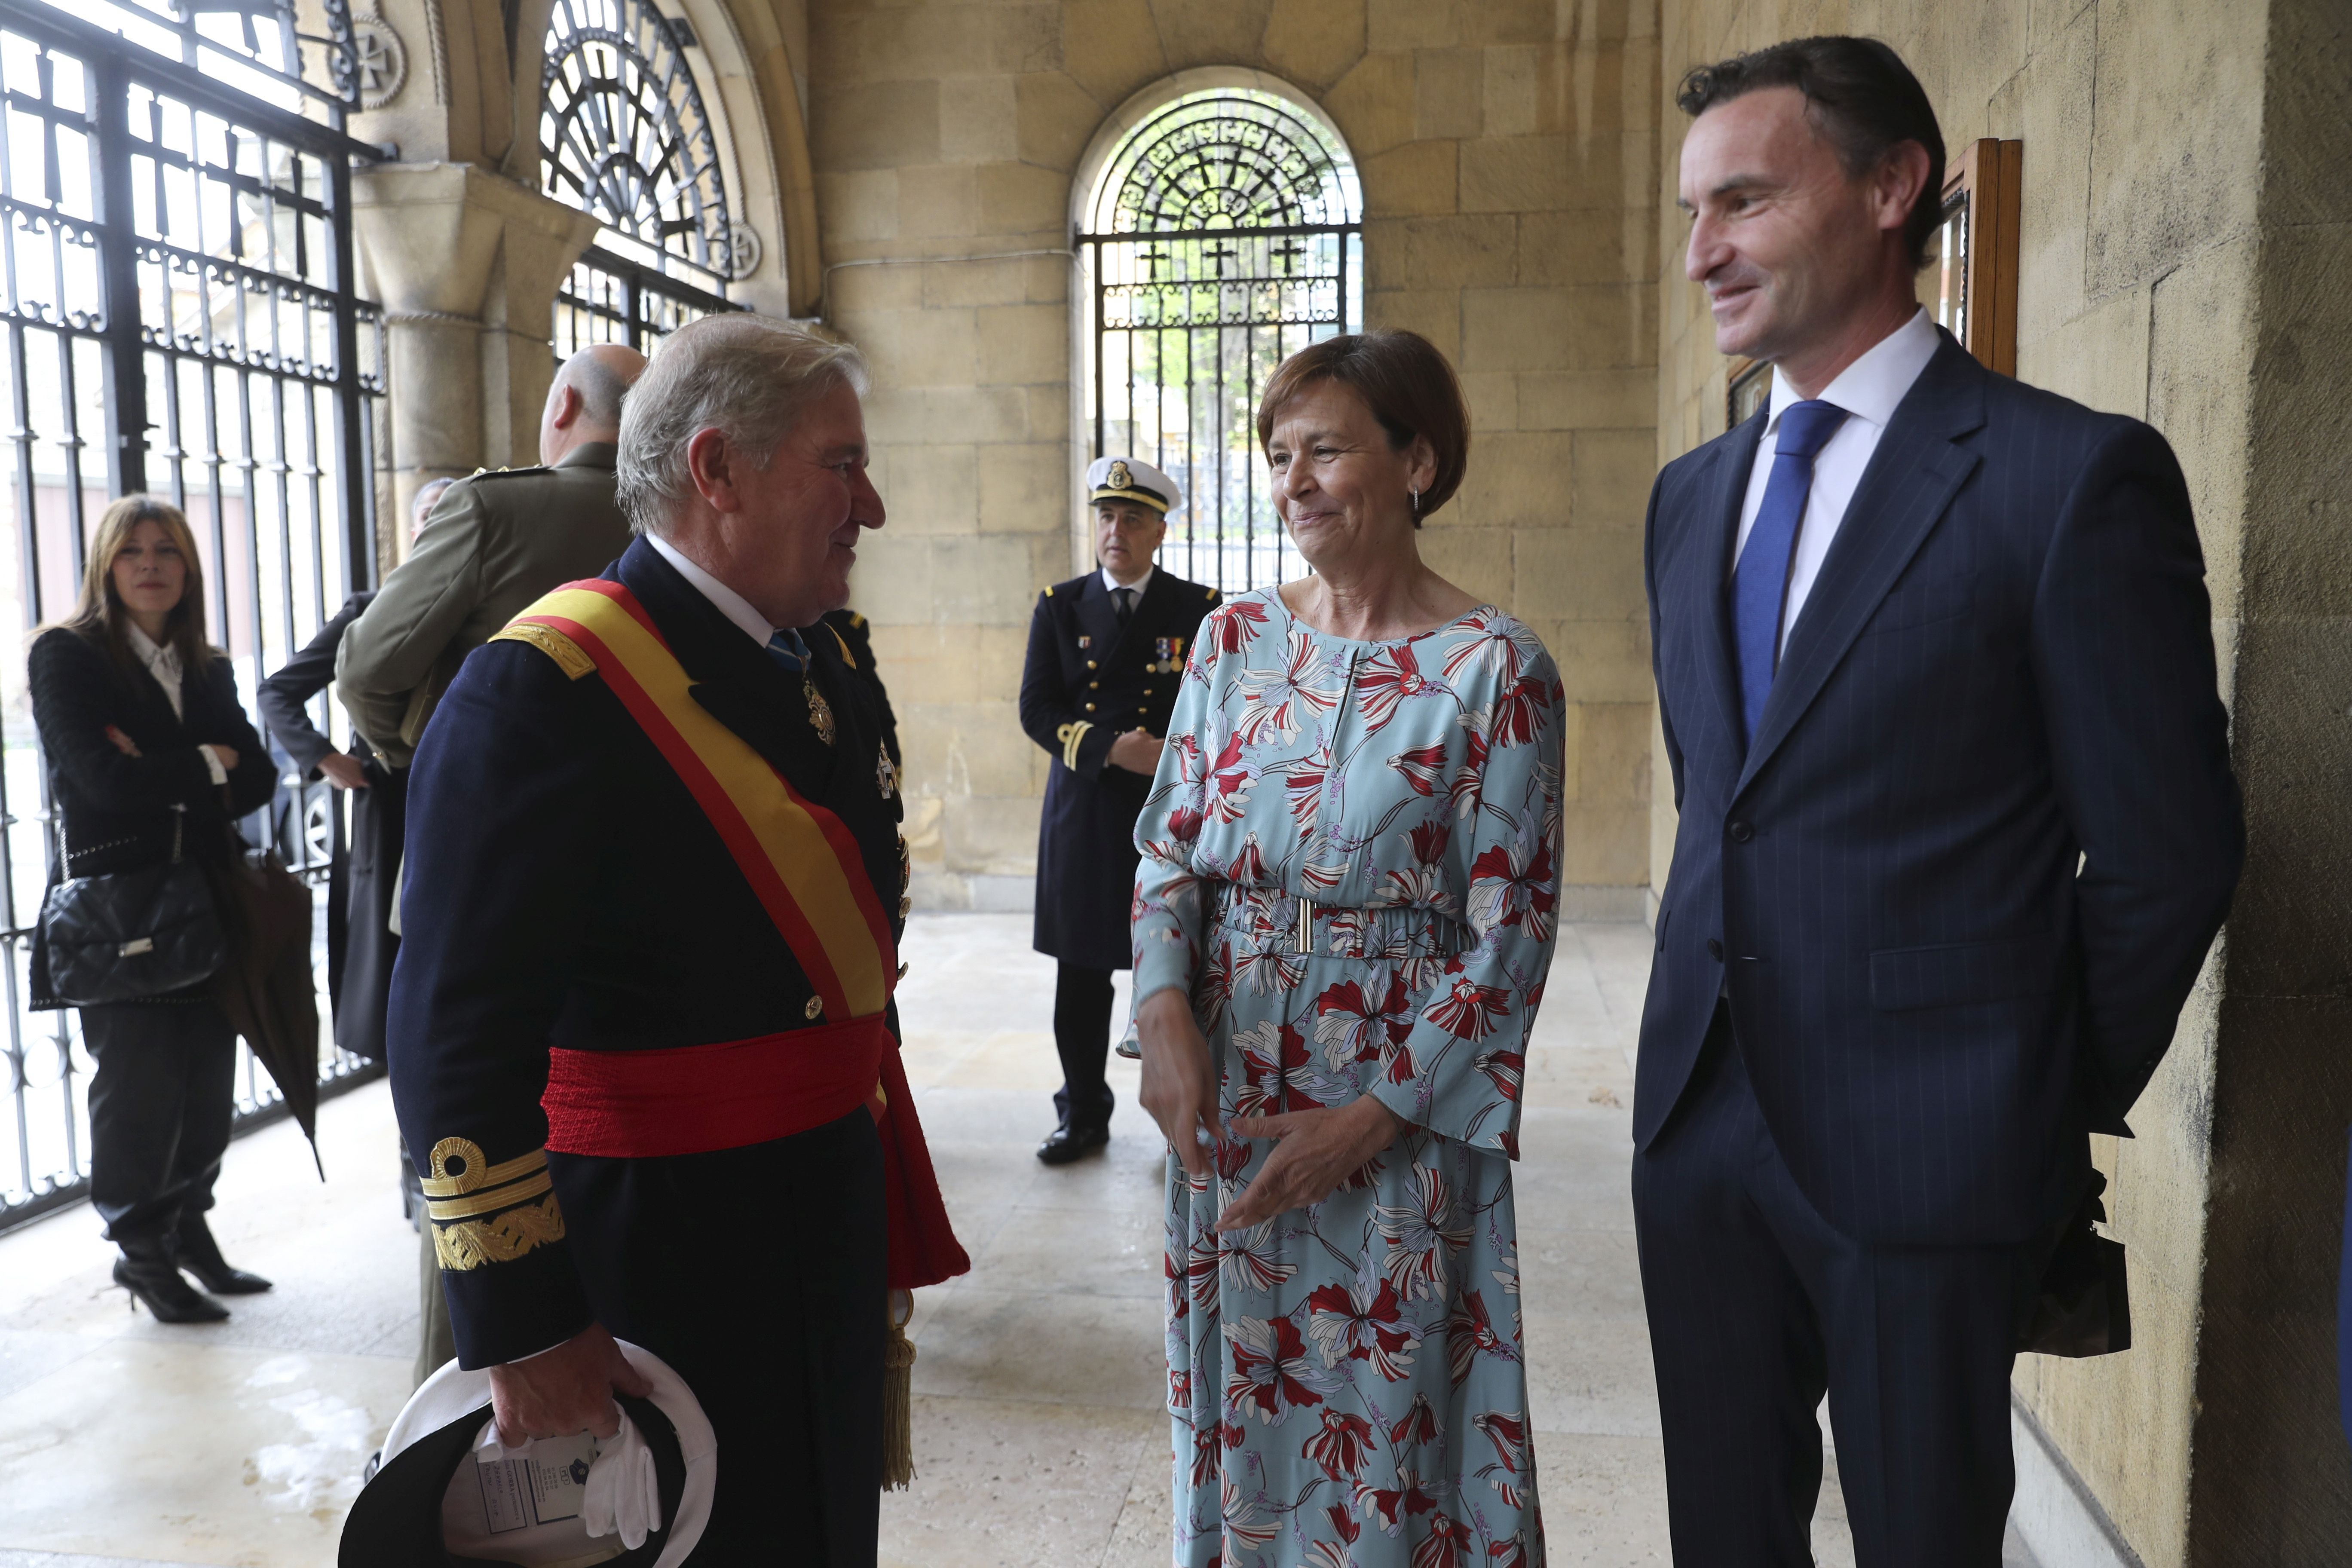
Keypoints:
(1313, 42)
(1579, 575)
(987, 579)
(1613, 754)
(891, 585)
(1434, 314)
(1373, 104)
(1518, 478)
(1603, 846)
(1111, 47)
(1493, 397)
(1473, 558)
(993, 835)
(932, 489)
(1603, 661)
(2300, 564)
(1025, 37)
(1524, 329)
(1049, 411)
(937, 199)
(1414, 24)
(1586, 245)
(1416, 178)
(1211, 32)
(1025, 489)
(1448, 94)
(1515, 173)
(918, 413)
(1535, 22)
(908, 43)
(862, 204)
(1024, 343)
(1440, 252)
(1022, 200)
(2201, 342)
(873, 124)
(1612, 474)
(2165, 183)
(922, 348)
(1624, 399)
(1054, 119)
(979, 120)
(2049, 105)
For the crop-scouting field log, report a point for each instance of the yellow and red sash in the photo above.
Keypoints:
(804, 865)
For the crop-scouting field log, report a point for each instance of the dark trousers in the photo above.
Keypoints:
(1757, 1307)
(158, 1111)
(1082, 999)
(759, 1275)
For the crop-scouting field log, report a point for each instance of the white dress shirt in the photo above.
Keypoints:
(1868, 390)
(163, 662)
(729, 602)
(1135, 587)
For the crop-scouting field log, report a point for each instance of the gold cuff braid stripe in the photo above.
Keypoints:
(489, 1201)
(1070, 735)
(474, 1172)
(471, 1243)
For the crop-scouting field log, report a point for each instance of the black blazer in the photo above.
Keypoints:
(2005, 671)
(116, 810)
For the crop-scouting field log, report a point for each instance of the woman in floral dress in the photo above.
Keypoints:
(1343, 919)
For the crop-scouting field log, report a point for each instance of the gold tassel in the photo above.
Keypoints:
(897, 1396)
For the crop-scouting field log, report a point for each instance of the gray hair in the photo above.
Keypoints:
(749, 377)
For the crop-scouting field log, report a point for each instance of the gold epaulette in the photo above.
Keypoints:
(1049, 590)
(483, 1213)
(568, 655)
(1070, 735)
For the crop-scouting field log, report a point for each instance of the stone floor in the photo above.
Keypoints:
(1039, 1440)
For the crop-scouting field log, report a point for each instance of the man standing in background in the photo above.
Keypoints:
(497, 542)
(1106, 651)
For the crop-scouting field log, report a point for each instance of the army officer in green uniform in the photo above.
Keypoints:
(1106, 651)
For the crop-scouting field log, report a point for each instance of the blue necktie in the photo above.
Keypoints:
(1759, 585)
(787, 649)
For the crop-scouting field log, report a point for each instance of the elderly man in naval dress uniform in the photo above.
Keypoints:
(1105, 652)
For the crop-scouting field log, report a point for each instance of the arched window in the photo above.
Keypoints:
(624, 133)
(1224, 233)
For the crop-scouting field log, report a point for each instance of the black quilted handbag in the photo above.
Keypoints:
(130, 935)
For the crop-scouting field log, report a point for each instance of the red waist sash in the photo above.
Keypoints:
(693, 1100)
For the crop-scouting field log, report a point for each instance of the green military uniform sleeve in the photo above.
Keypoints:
(391, 650)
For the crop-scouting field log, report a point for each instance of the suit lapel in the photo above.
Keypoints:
(1912, 478)
(1726, 489)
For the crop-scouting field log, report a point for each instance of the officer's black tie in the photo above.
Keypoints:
(1125, 599)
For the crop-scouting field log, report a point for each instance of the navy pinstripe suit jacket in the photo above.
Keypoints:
(1960, 885)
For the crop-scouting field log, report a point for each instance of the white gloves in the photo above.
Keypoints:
(622, 1494)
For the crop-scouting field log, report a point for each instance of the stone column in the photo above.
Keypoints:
(466, 265)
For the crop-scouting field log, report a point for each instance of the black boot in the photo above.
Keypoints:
(147, 1271)
(200, 1254)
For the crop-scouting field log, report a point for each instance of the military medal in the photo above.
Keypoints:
(820, 715)
(1085, 641)
(886, 771)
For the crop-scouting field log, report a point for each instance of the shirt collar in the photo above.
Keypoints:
(150, 652)
(1872, 387)
(1112, 585)
(728, 602)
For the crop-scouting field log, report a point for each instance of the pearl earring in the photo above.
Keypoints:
(1415, 491)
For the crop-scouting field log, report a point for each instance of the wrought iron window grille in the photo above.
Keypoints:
(179, 313)
(1226, 233)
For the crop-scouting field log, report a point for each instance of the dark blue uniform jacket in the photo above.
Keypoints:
(1086, 683)
(1961, 882)
(563, 889)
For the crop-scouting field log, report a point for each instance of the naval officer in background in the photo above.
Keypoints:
(1105, 652)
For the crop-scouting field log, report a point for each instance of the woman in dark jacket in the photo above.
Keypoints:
(147, 745)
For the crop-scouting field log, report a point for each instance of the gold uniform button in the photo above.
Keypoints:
(1147, 691)
(1092, 665)
(1090, 707)
(815, 1008)
(1091, 685)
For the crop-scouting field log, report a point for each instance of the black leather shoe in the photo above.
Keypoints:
(200, 1254)
(146, 1271)
(1071, 1143)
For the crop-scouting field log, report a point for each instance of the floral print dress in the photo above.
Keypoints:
(1346, 1379)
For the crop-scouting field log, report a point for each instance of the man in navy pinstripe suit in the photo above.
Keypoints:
(1935, 671)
